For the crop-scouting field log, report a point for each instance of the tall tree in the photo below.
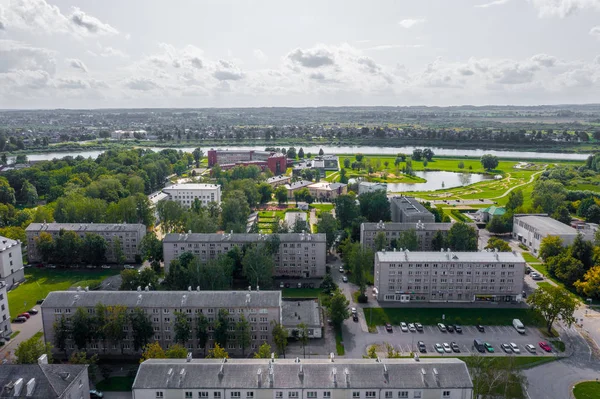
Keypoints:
(548, 195)
(142, 330)
(408, 239)
(515, 200)
(30, 350)
(589, 285)
(280, 336)
(221, 328)
(235, 212)
(151, 247)
(61, 334)
(583, 250)
(152, 350)
(202, 326)
(263, 352)
(551, 246)
(328, 225)
(182, 328)
(281, 194)
(380, 241)
(116, 321)
(338, 309)
(551, 302)
(258, 266)
(374, 206)
(94, 248)
(498, 244)
(489, 162)
(80, 328)
(243, 333)
(462, 237)
(346, 210)
(438, 241)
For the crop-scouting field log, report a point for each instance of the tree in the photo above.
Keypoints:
(590, 284)
(81, 358)
(303, 336)
(550, 246)
(392, 353)
(438, 241)
(182, 328)
(152, 351)
(328, 285)
(129, 280)
(234, 212)
(291, 153)
(258, 266)
(428, 154)
(346, 210)
(566, 268)
(116, 321)
(371, 352)
(264, 351)
(202, 335)
(320, 152)
(338, 309)
(498, 244)
(490, 376)
(221, 328)
(346, 163)
(118, 251)
(68, 247)
(461, 165)
(374, 206)
(281, 194)
(489, 162)
(551, 302)
(30, 350)
(141, 328)
(328, 225)
(582, 250)
(61, 334)
(380, 241)
(93, 249)
(462, 237)
(592, 215)
(548, 195)
(280, 336)
(244, 337)
(266, 192)
(497, 225)
(408, 240)
(417, 154)
(562, 214)
(29, 194)
(301, 153)
(217, 353)
(198, 154)
(151, 247)
(176, 351)
(80, 328)
(515, 200)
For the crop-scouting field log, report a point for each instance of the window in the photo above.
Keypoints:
(403, 394)
(446, 394)
(235, 394)
(356, 394)
(311, 394)
(279, 394)
(159, 394)
(202, 395)
(293, 394)
(188, 395)
(217, 395)
(370, 394)
(327, 394)
(388, 394)
(249, 394)
(417, 394)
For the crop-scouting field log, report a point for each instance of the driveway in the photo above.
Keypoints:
(27, 330)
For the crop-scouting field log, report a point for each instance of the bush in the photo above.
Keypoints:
(362, 298)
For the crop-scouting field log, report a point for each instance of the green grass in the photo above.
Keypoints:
(38, 335)
(322, 207)
(559, 345)
(113, 384)
(432, 316)
(529, 258)
(587, 390)
(339, 346)
(300, 292)
(14, 334)
(39, 282)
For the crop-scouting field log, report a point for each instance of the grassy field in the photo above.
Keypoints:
(587, 390)
(39, 282)
(113, 384)
(432, 316)
(529, 258)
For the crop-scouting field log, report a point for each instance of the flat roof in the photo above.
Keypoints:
(409, 204)
(546, 225)
(395, 226)
(91, 227)
(297, 312)
(437, 256)
(191, 186)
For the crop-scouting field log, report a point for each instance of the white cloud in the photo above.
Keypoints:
(393, 46)
(409, 23)
(15, 56)
(90, 24)
(259, 55)
(77, 64)
(312, 58)
(544, 60)
(225, 70)
(141, 84)
(492, 3)
(563, 8)
(595, 31)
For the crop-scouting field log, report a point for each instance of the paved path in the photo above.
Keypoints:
(531, 179)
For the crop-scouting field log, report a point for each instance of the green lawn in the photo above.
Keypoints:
(115, 384)
(432, 316)
(559, 345)
(529, 258)
(322, 207)
(39, 282)
(300, 292)
(339, 346)
(587, 390)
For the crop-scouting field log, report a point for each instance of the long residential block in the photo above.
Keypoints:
(465, 277)
(129, 235)
(303, 379)
(186, 194)
(11, 262)
(259, 308)
(299, 255)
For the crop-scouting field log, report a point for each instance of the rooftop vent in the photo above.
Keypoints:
(331, 357)
(43, 359)
(64, 375)
(258, 377)
(18, 387)
(347, 375)
(30, 387)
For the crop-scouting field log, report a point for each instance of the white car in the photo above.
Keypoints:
(105, 267)
(128, 267)
(403, 327)
(447, 347)
(515, 348)
(345, 279)
(439, 348)
(341, 269)
(411, 327)
(441, 327)
(353, 310)
(530, 348)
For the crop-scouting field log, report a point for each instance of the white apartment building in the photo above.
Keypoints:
(299, 255)
(532, 229)
(259, 308)
(185, 194)
(303, 379)
(465, 277)
(129, 235)
(5, 329)
(11, 261)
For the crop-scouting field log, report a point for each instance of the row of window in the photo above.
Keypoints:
(295, 394)
(452, 265)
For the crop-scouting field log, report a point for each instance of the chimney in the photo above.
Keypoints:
(334, 374)
(18, 387)
(435, 375)
(30, 387)
(258, 377)
(189, 357)
(43, 359)
(423, 374)
(347, 375)
(301, 371)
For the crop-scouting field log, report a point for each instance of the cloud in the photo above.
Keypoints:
(369, 64)
(16, 56)
(77, 64)
(466, 71)
(227, 71)
(141, 84)
(312, 58)
(393, 46)
(259, 55)
(2, 23)
(544, 60)
(196, 62)
(595, 31)
(492, 3)
(409, 23)
(563, 8)
(90, 24)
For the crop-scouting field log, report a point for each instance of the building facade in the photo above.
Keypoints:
(368, 187)
(260, 308)
(5, 329)
(465, 277)
(280, 180)
(303, 379)
(424, 231)
(275, 162)
(409, 210)
(129, 236)
(327, 191)
(531, 230)
(300, 254)
(295, 186)
(185, 194)
(11, 262)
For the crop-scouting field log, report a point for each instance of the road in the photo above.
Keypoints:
(27, 330)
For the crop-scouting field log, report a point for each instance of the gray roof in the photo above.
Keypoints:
(407, 226)
(91, 227)
(191, 186)
(546, 225)
(408, 204)
(6, 243)
(51, 380)
(316, 373)
(277, 178)
(242, 237)
(164, 299)
(434, 256)
(297, 312)
(298, 184)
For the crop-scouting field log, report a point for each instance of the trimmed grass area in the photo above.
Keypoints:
(300, 292)
(587, 390)
(559, 345)
(529, 258)
(113, 384)
(40, 282)
(339, 346)
(432, 316)
(14, 334)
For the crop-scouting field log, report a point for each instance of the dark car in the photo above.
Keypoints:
(422, 347)
(39, 302)
(458, 329)
(450, 328)
(19, 319)
(95, 394)
(32, 311)
(388, 327)
(355, 317)
(480, 328)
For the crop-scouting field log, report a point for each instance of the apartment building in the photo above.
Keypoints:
(226, 159)
(129, 236)
(11, 262)
(327, 191)
(303, 379)
(464, 277)
(5, 329)
(409, 210)
(532, 229)
(299, 255)
(185, 194)
(295, 186)
(43, 380)
(425, 233)
(260, 308)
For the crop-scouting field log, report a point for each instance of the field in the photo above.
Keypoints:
(529, 258)
(587, 390)
(39, 282)
(432, 316)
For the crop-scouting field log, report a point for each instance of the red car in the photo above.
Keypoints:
(388, 327)
(545, 346)
(26, 315)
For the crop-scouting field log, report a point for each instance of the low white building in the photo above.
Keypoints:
(337, 378)
(5, 329)
(368, 187)
(531, 230)
(298, 312)
(185, 194)
(11, 262)
(292, 217)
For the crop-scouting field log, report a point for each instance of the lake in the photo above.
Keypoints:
(437, 180)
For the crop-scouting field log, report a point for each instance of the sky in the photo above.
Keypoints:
(269, 53)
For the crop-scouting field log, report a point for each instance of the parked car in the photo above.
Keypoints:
(353, 310)
(355, 317)
(439, 348)
(447, 348)
(479, 345)
(458, 329)
(480, 328)
(105, 266)
(419, 327)
(32, 311)
(545, 346)
(422, 347)
(128, 267)
(388, 327)
(19, 319)
(441, 327)
(51, 266)
(91, 266)
(403, 327)
(345, 279)
(515, 347)
(281, 285)
(411, 327)
(450, 328)
(95, 394)
(530, 348)
(341, 269)
(488, 347)
(506, 348)
(26, 315)
(299, 285)
(455, 347)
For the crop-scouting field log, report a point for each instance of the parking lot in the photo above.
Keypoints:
(406, 342)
